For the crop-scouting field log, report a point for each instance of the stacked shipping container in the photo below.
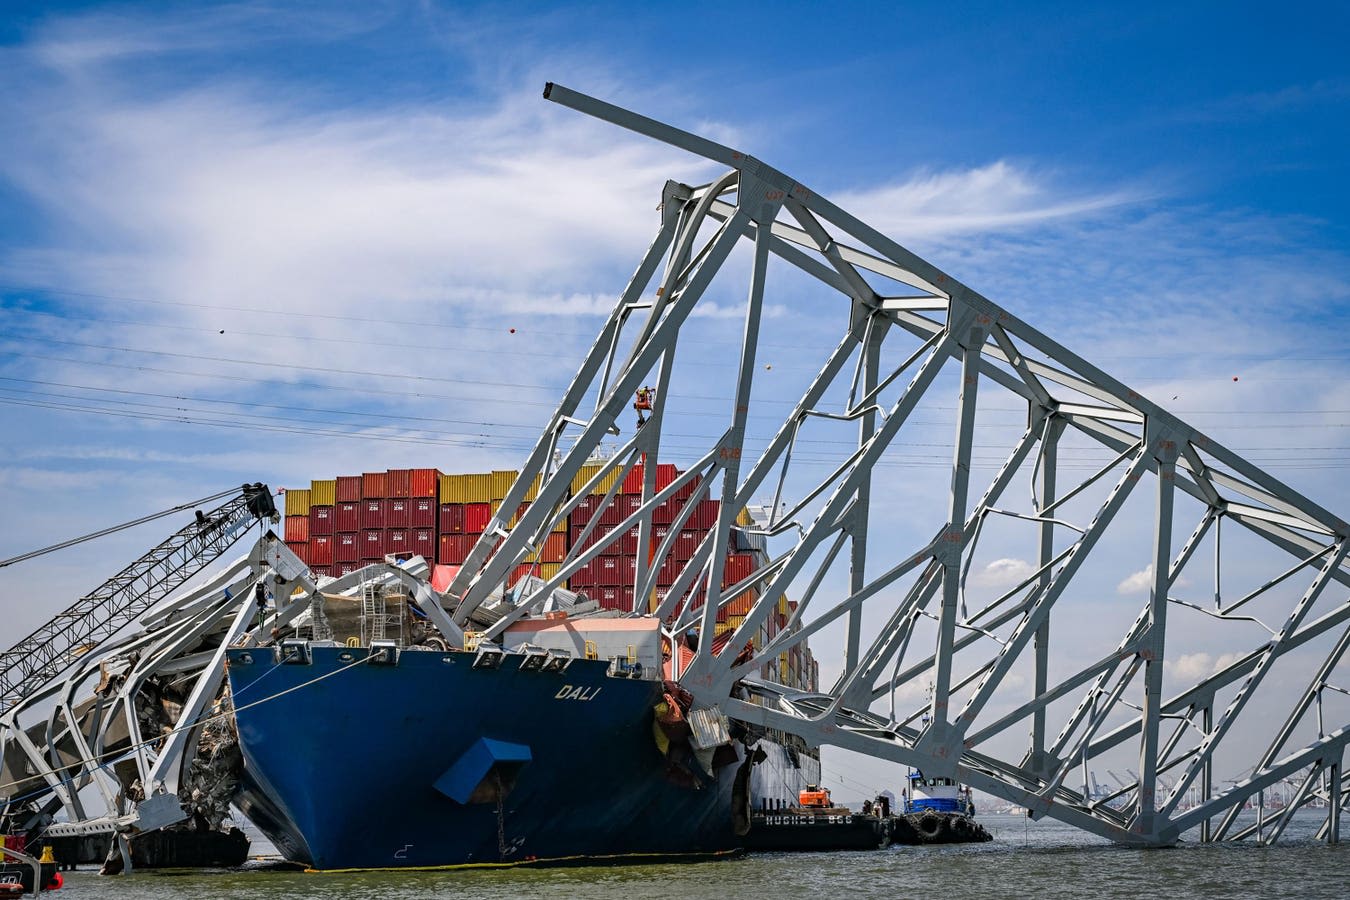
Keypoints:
(341, 524)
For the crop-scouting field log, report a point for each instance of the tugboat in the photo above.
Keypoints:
(815, 823)
(17, 868)
(937, 811)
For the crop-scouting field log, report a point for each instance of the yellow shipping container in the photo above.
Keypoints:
(478, 488)
(500, 481)
(588, 472)
(297, 502)
(585, 474)
(782, 605)
(743, 518)
(452, 486)
(323, 493)
(548, 571)
(533, 490)
(466, 488)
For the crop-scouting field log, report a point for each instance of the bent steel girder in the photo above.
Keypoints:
(987, 631)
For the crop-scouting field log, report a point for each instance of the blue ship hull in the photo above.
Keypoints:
(359, 764)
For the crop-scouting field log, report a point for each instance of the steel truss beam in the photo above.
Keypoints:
(60, 744)
(979, 684)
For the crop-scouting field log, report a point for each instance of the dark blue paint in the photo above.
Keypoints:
(342, 773)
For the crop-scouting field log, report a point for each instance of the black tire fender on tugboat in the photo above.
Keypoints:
(931, 826)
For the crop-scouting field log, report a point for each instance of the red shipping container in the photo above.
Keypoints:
(476, 517)
(372, 543)
(610, 515)
(345, 568)
(666, 473)
(741, 605)
(322, 571)
(555, 548)
(583, 511)
(321, 550)
(629, 504)
(445, 551)
(373, 514)
(574, 535)
(300, 549)
(348, 516)
(452, 518)
(422, 512)
(705, 515)
(348, 489)
(396, 540)
(626, 596)
(372, 486)
(628, 542)
(664, 514)
(297, 528)
(348, 547)
(455, 548)
(321, 520)
(424, 483)
(627, 569)
(398, 483)
(607, 597)
(670, 570)
(607, 571)
(686, 542)
(424, 542)
(632, 482)
(687, 490)
(737, 568)
(584, 577)
(397, 512)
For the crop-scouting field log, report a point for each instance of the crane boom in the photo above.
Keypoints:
(45, 653)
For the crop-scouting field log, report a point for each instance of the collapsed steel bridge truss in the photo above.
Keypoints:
(1120, 590)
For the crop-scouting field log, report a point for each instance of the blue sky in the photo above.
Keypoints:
(276, 241)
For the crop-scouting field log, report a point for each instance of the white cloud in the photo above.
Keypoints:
(997, 196)
(1190, 666)
(1002, 573)
(1137, 583)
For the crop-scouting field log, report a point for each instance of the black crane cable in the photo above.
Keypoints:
(115, 528)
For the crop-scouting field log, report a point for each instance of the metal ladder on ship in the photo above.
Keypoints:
(375, 616)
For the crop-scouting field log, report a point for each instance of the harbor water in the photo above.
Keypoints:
(1026, 859)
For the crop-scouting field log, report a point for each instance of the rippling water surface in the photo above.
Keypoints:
(1042, 860)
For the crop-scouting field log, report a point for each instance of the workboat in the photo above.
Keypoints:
(939, 795)
(814, 822)
(936, 811)
(19, 869)
(387, 757)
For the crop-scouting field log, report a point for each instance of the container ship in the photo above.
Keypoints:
(382, 746)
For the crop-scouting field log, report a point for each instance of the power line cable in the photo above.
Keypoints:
(112, 529)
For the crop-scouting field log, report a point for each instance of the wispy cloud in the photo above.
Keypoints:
(1002, 573)
(997, 196)
(1262, 104)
